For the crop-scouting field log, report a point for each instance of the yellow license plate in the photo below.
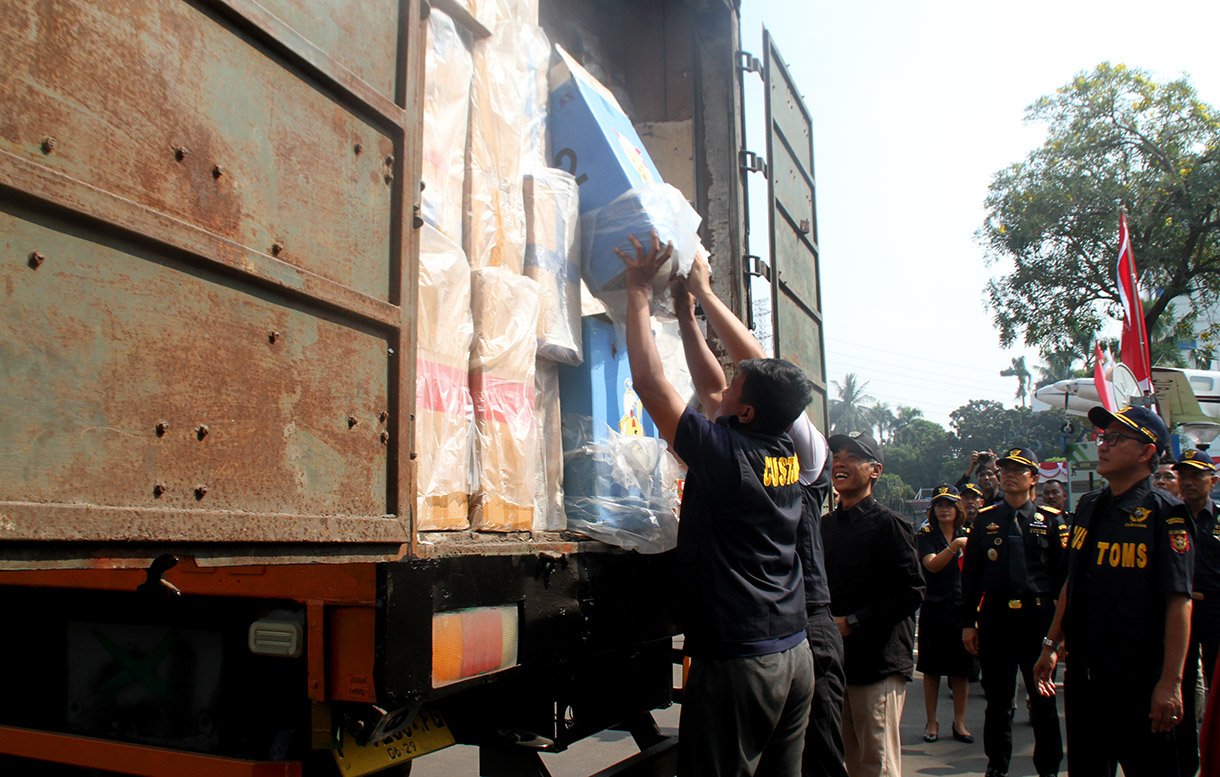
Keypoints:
(427, 734)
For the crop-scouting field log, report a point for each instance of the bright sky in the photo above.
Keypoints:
(915, 106)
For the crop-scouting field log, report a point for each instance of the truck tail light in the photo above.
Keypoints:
(473, 642)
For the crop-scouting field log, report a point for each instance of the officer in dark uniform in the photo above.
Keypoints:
(1196, 478)
(1124, 609)
(1009, 580)
(972, 502)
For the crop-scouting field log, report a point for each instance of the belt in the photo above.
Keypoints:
(1198, 596)
(1033, 601)
(1202, 595)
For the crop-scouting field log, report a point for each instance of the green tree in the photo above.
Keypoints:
(987, 425)
(1115, 137)
(881, 417)
(917, 453)
(849, 412)
(891, 491)
(1019, 371)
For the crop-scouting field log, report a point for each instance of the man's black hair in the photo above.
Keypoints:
(778, 390)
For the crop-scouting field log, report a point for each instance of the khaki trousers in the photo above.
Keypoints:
(872, 715)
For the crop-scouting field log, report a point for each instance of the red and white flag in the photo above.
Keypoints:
(1135, 351)
(1101, 369)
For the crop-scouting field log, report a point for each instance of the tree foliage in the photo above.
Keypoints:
(982, 425)
(848, 412)
(1115, 137)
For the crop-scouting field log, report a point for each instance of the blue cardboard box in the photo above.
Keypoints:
(601, 387)
(592, 138)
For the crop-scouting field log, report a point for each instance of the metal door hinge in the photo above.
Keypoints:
(748, 63)
(751, 162)
(758, 267)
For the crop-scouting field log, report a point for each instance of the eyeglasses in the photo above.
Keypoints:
(1114, 438)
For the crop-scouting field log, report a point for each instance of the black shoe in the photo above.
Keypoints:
(960, 737)
(994, 773)
(931, 737)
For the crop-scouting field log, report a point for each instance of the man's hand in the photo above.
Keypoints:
(1166, 706)
(1044, 672)
(970, 638)
(684, 301)
(844, 629)
(958, 544)
(699, 280)
(642, 269)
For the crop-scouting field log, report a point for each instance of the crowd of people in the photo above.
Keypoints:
(801, 625)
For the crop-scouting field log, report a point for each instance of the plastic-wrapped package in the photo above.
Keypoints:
(492, 13)
(552, 257)
(619, 488)
(601, 387)
(648, 207)
(507, 140)
(548, 491)
(592, 137)
(444, 412)
(505, 308)
(447, 71)
(668, 336)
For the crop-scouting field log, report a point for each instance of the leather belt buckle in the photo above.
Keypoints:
(1015, 604)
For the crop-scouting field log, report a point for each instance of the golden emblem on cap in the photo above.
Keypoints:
(992, 554)
(1015, 452)
(1191, 454)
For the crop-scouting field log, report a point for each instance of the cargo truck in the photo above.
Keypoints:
(208, 556)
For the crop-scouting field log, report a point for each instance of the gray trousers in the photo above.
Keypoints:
(746, 717)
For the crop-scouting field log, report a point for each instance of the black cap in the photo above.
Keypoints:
(973, 489)
(946, 492)
(1198, 459)
(1140, 419)
(1022, 456)
(861, 442)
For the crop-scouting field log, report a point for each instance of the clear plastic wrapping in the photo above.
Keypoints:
(492, 13)
(505, 308)
(548, 491)
(447, 72)
(621, 489)
(639, 211)
(552, 257)
(507, 140)
(444, 412)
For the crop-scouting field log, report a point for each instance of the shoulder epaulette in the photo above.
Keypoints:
(926, 528)
(988, 507)
(1051, 510)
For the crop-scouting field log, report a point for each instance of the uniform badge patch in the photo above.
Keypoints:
(1179, 540)
(993, 527)
(992, 554)
(1141, 515)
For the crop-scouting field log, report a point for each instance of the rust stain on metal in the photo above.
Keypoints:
(36, 259)
(202, 432)
(49, 144)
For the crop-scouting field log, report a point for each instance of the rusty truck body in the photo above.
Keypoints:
(207, 299)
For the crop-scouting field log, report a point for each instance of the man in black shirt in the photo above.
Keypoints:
(1008, 589)
(748, 694)
(1124, 611)
(1196, 473)
(876, 586)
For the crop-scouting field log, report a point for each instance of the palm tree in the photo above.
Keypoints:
(1021, 373)
(905, 415)
(847, 413)
(881, 418)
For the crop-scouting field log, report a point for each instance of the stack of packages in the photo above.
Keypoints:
(521, 240)
(621, 485)
(444, 416)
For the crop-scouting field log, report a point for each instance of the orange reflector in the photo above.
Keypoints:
(473, 642)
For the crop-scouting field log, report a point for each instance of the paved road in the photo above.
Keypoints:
(945, 758)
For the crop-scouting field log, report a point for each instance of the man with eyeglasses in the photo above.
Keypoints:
(1009, 580)
(1196, 478)
(1124, 611)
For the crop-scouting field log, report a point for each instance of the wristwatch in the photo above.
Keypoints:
(852, 622)
(1050, 643)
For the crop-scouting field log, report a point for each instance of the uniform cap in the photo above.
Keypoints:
(860, 442)
(1196, 458)
(945, 492)
(1140, 419)
(1023, 456)
(973, 489)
